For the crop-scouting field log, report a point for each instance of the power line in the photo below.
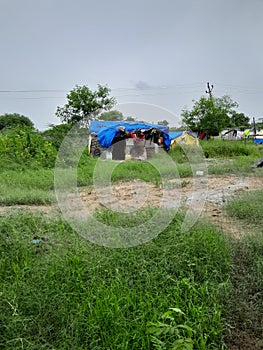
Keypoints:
(147, 91)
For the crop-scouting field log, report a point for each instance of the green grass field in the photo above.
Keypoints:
(65, 293)
(27, 185)
(202, 289)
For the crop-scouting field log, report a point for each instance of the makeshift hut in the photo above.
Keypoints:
(126, 140)
(183, 137)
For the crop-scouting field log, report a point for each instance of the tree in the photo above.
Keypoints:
(56, 133)
(163, 122)
(130, 119)
(115, 115)
(112, 115)
(259, 125)
(84, 105)
(211, 115)
(12, 120)
(239, 120)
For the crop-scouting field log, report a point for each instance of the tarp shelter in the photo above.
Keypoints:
(185, 137)
(107, 132)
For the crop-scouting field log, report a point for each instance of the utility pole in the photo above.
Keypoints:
(254, 127)
(209, 91)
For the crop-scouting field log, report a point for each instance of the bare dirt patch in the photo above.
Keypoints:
(208, 195)
(211, 193)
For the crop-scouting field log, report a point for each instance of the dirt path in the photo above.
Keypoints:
(184, 192)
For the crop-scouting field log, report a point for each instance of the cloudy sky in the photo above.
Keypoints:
(155, 52)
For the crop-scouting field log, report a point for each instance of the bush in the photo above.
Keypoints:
(25, 147)
(57, 133)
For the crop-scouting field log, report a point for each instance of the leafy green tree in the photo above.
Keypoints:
(115, 115)
(259, 126)
(130, 119)
(239, 120)
(210, 115)
(163, 122)
(84, 105)
(9, 121)
(112, 115)
(56, 133)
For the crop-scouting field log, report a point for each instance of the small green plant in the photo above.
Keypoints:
(168, 334)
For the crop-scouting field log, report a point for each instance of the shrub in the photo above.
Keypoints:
(25, 147)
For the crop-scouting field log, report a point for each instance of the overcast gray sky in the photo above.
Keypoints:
(161, 52)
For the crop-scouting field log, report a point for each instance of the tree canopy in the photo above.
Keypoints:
(13, 120)
(112, 115)
(163, 122)
(130, 119)
(239, 120)
(84, 105)
(115, 116)
(56, 133)
(211, 115)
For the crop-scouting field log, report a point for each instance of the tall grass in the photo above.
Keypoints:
(222, 157)
(226, 149)
(243, 165)
(245, 315)
(65, 293)
(29, 186)
(247, 207)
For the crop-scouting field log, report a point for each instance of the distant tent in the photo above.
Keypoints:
(175, 134)
(184, 137)
(259, 137)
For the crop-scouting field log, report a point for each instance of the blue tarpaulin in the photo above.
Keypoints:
(174, 134)
(107, 130)
(97, 125)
